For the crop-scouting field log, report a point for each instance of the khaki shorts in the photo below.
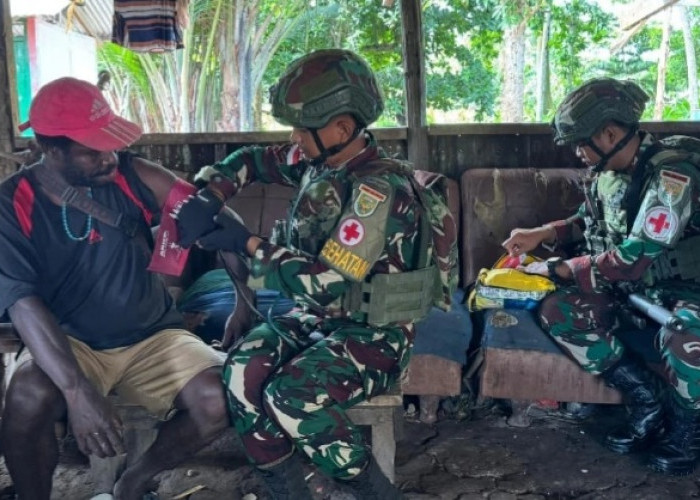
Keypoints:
(150, 373)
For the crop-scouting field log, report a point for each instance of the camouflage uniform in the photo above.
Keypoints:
(350, 228)
(279, 371)
(582, 318)
(642, 230)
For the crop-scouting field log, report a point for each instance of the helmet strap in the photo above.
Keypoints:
(333, 150)
(605, 158)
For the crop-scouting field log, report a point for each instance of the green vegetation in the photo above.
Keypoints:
(486, 60)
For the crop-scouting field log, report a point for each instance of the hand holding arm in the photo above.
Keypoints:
(196, 216)
(230, 234)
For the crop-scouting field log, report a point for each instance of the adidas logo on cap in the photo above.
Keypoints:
(98, 110)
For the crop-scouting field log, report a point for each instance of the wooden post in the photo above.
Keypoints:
(8, 99)
(414, 69)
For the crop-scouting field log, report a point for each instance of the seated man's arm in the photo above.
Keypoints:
(23, 261)
(158, 179)
(95, 424)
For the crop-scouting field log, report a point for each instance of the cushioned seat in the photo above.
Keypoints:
(522, 362)
(440, 351)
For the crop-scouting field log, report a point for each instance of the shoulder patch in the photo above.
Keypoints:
(367, 200)
(672, 186)
(359, 238)
(351, 232)
(343, 260)
(660, 223)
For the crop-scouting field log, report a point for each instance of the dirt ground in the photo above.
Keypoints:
(479, 456)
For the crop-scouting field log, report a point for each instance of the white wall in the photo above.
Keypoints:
(62, 54)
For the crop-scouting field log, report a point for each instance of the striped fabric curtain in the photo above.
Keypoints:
(148, 25)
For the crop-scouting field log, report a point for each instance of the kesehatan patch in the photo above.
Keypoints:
(368, 199)
(659, 223)
(344, 260)
(351, 232)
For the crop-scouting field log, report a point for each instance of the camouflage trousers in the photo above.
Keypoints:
(584, 326)
(288, 389)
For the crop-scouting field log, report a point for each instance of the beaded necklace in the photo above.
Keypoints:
(66, 228)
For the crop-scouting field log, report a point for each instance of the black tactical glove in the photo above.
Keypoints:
(196, 216)
(231, 235)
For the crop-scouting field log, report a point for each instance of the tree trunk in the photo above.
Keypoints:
(691, 62)
(664, 52)
(543, 97)
(202, 112)
(512, 96)
(245, 52)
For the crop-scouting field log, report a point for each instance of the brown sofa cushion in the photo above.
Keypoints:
(259, 205)
(495, 201)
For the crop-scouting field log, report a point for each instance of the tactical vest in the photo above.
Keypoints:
(379, 300)
(682, 262)
(613, 207)
(606, 217)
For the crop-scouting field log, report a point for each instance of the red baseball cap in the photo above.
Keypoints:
(77, 109)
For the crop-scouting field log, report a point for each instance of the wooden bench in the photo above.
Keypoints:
(384, 414)
(493, 202)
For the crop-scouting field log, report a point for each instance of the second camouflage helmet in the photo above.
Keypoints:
(324, 84)
(585, 110)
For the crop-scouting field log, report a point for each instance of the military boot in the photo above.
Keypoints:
(372, 484)
(285, 480)
(645, 412)
(678, 452)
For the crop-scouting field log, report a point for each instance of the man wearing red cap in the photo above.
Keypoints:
(93, 319)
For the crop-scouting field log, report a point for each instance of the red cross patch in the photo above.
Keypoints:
(659, 223)
(351, 232)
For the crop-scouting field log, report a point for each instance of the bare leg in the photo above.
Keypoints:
(200, 419)
(33, 405)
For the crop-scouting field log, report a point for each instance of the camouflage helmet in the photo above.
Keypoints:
(585, 110)
(325, 84)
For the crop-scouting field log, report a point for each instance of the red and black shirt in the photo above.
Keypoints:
(98, 288)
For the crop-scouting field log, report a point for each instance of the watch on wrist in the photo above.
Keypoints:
(552, 264)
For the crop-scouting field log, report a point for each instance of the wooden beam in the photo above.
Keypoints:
(8, 86)
(414, 70)
(640, 17)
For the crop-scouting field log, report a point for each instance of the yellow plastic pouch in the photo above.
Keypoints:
(513, 279)
(506, 287)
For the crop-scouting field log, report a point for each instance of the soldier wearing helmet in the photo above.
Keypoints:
(352, 230)
(585, 113)
(640, 225)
